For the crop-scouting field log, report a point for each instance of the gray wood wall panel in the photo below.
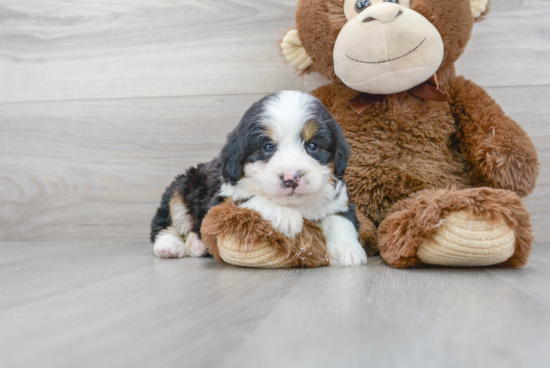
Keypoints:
(96, 169)
(66, 50)
(90, 135)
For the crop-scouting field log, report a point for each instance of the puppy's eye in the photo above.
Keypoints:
(362, 5)
(392, 1)
(312, 147)
(269, 147)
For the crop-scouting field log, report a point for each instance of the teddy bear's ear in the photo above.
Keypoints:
(479, 7)
(294, 52)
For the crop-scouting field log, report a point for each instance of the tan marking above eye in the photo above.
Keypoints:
(309, 130)
(351, 12)
(268, 131)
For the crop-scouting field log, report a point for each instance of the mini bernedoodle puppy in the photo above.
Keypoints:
(286, 159)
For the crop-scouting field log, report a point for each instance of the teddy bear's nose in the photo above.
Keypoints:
(385, 13)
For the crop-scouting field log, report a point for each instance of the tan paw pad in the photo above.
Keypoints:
(251, 255)
(464, 240)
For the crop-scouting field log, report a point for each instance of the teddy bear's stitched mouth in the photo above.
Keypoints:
(387, 61)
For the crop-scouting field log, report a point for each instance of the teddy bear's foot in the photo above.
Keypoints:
(242, 237)
(468, 227)
(260, 255)
(466, 240)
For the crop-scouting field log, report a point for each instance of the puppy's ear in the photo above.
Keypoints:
(239, 144)
(231, 157)
(342, 149)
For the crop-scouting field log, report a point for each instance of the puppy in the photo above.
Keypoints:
(286, 160)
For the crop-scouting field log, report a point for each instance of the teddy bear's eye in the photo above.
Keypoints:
(392, 1)
(361, 5)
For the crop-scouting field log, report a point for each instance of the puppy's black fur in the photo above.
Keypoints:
(331, 139)
(243, 142)
(198, 187)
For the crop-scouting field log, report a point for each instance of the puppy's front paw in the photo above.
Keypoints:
(169, 246)
(347, 254)
(289, 223)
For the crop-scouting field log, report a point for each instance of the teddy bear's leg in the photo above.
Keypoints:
(469, 227)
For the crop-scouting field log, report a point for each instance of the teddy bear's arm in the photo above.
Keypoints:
(497, 149)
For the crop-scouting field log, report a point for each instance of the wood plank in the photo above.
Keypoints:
(384, 317)
(121, 306)
(510, 47)
(49, 269)
(533, 279)
(66, 49)
(96, 169)
(150, 316)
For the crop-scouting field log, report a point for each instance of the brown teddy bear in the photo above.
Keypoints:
(437, 168)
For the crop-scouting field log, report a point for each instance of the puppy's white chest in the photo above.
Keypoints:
(326, 204)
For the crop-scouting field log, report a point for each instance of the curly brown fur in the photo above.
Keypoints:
(368, 234)
(498, 151)
(413, 221)
(308, 249)
(400, 145)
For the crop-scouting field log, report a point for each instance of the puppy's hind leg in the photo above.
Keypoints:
(171, 227)
(184, 222)
(169, 244)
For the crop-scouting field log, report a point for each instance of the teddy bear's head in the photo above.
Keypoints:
(381, 46)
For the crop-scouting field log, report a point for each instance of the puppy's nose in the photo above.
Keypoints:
(291, 180)
(290, 183)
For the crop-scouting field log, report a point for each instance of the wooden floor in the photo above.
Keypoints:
(114, 305)
(103, 102)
